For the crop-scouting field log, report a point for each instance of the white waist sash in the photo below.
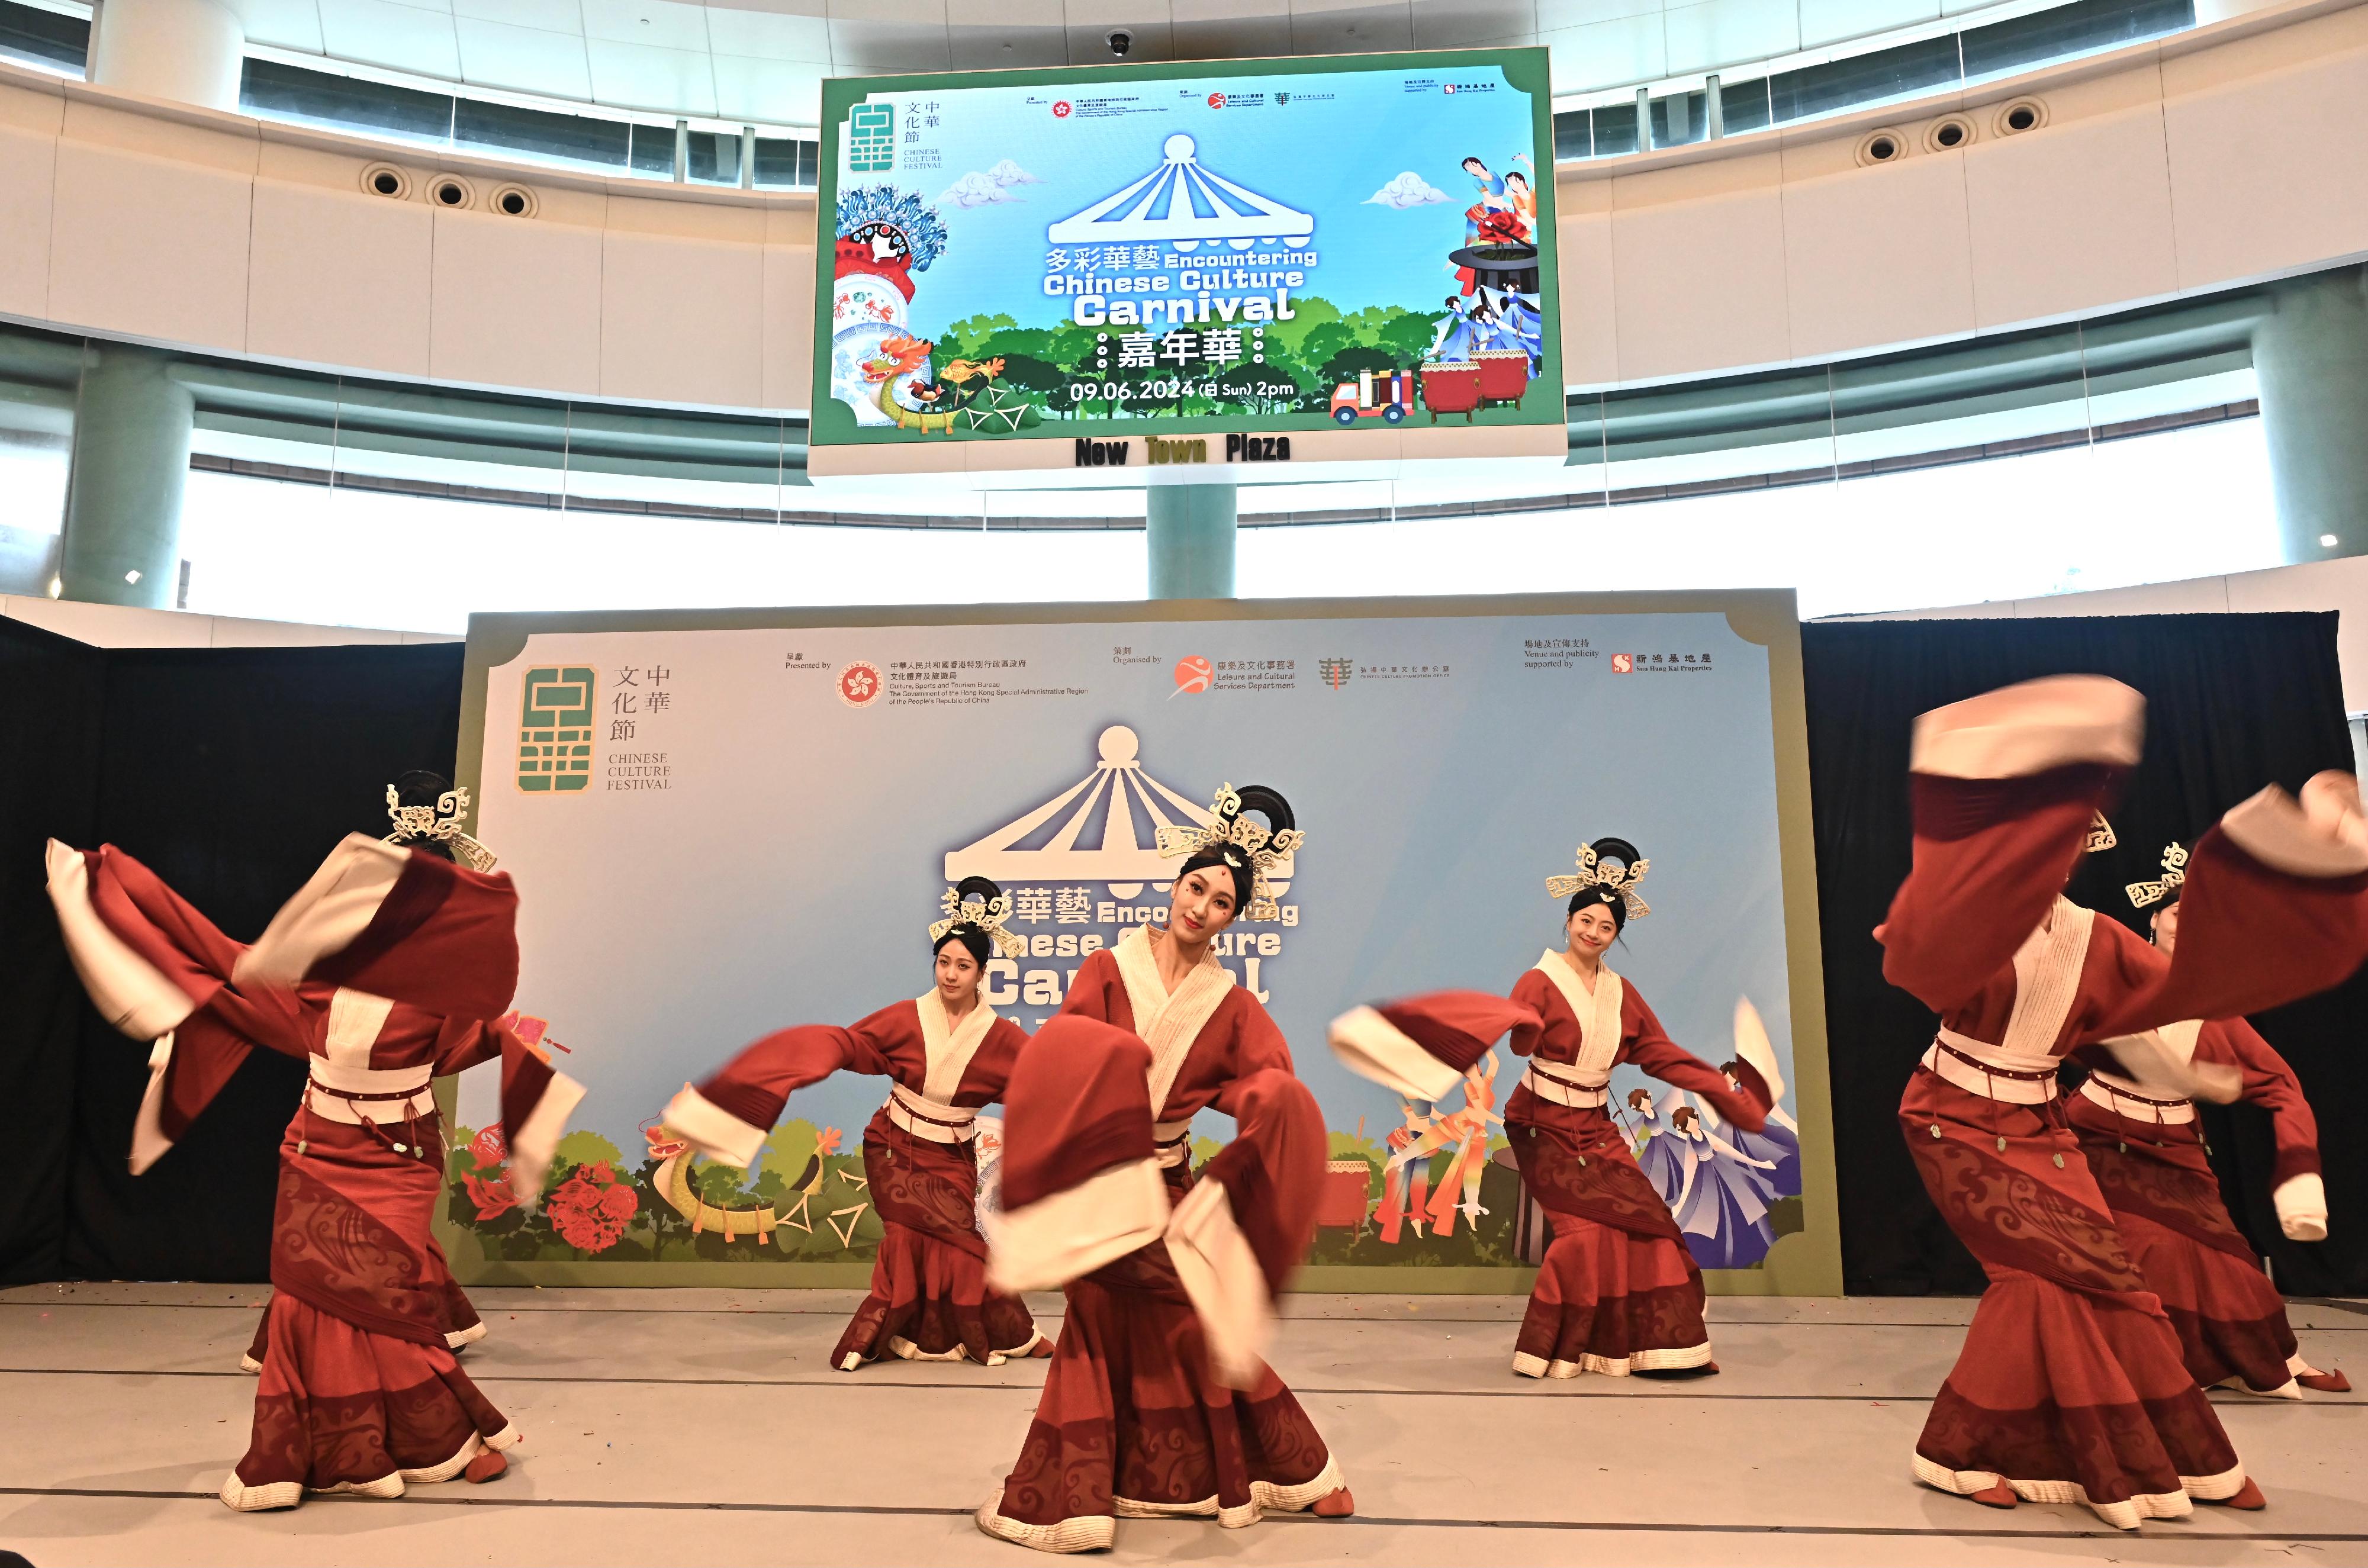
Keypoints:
(409, 1084)
(933, 1120)
(2126, 1099)
(1172, 1142)
(2008, 1076)
(1572, 1092)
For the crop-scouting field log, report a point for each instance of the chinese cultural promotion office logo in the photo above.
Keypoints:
(554, 755)
(1084, 867)
(1336, 672)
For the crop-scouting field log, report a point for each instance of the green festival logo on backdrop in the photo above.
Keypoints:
(555, 729)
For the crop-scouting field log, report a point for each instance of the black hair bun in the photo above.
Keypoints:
(1268, 803)
(421, 787)
(979, 887)
(1618, 849)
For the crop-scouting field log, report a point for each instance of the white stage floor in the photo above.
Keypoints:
(702, 1426)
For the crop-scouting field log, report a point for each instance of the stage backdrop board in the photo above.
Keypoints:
(722, 824)
(1352, 257)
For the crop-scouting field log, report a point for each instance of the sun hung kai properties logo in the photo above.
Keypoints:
(555, 756)
(1084, 866)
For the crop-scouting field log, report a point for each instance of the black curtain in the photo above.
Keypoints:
(231, 772)
(52, 696)
(2234, 702)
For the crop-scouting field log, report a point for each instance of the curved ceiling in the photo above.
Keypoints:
(765, 59)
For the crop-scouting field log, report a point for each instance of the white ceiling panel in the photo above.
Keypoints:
(779, 92)
(547, 15)
(633, 75)
(284, 24)
(1461, 24)
(655, 24)
(523, 60)
(373, 32)
(1229, 29)
(1607, 54)
(1349, 27)
(770, 35)
(1724, 32)
(983, 49)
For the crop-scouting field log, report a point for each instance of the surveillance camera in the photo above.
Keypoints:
(1121, 41)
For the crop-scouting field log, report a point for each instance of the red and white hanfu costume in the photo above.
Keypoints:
(1157, 1401)
(2071, 1386)
(929, 1299)
(386, 970)
(1618, 1290)
(2147, 1150)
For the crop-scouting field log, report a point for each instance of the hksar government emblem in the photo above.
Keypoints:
(556, 730)
(859, 683)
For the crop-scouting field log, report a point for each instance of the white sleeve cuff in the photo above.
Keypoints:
(2302, 1207)
(2032, 727)
(713, 1131)
(1371, 1047)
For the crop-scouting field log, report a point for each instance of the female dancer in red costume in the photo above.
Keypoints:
(945, 1053)
(1158, 1403)
(2147, 1153)
(382, 972)
(2071, 1387)
(1618, 1291)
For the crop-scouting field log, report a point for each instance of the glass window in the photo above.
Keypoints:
(1615, 128)
(1573, 136)
(2081, 27)
(2187, 503)
(784, 163)
(274, 91)
(653, 150)
(574, 138)
(1743, 105)
(1864, 78)
(38, 380)
(1681, 118)
(714, 158)
(44, 38)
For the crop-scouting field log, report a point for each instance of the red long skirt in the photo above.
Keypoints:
(456, 1315)
(1617, 1291)
(2230, 1320)
(928, 1299)
(358, 1392)
(1133, 1424)
(2070, 1388)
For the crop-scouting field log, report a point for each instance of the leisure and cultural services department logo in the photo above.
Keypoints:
(1194, 673)
(555, 729)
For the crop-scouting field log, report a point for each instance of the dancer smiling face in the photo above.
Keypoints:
(1595, 917)
(961, 963)
(1210, 890)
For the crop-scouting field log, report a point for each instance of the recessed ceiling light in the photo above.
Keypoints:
(57, 587)
(2328, 539)
(132, 576)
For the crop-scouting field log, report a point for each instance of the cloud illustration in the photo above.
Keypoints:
(975, 189)
(1409, 190)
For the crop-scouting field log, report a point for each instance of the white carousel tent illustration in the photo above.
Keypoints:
(1181, 204)
(1132, 806)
